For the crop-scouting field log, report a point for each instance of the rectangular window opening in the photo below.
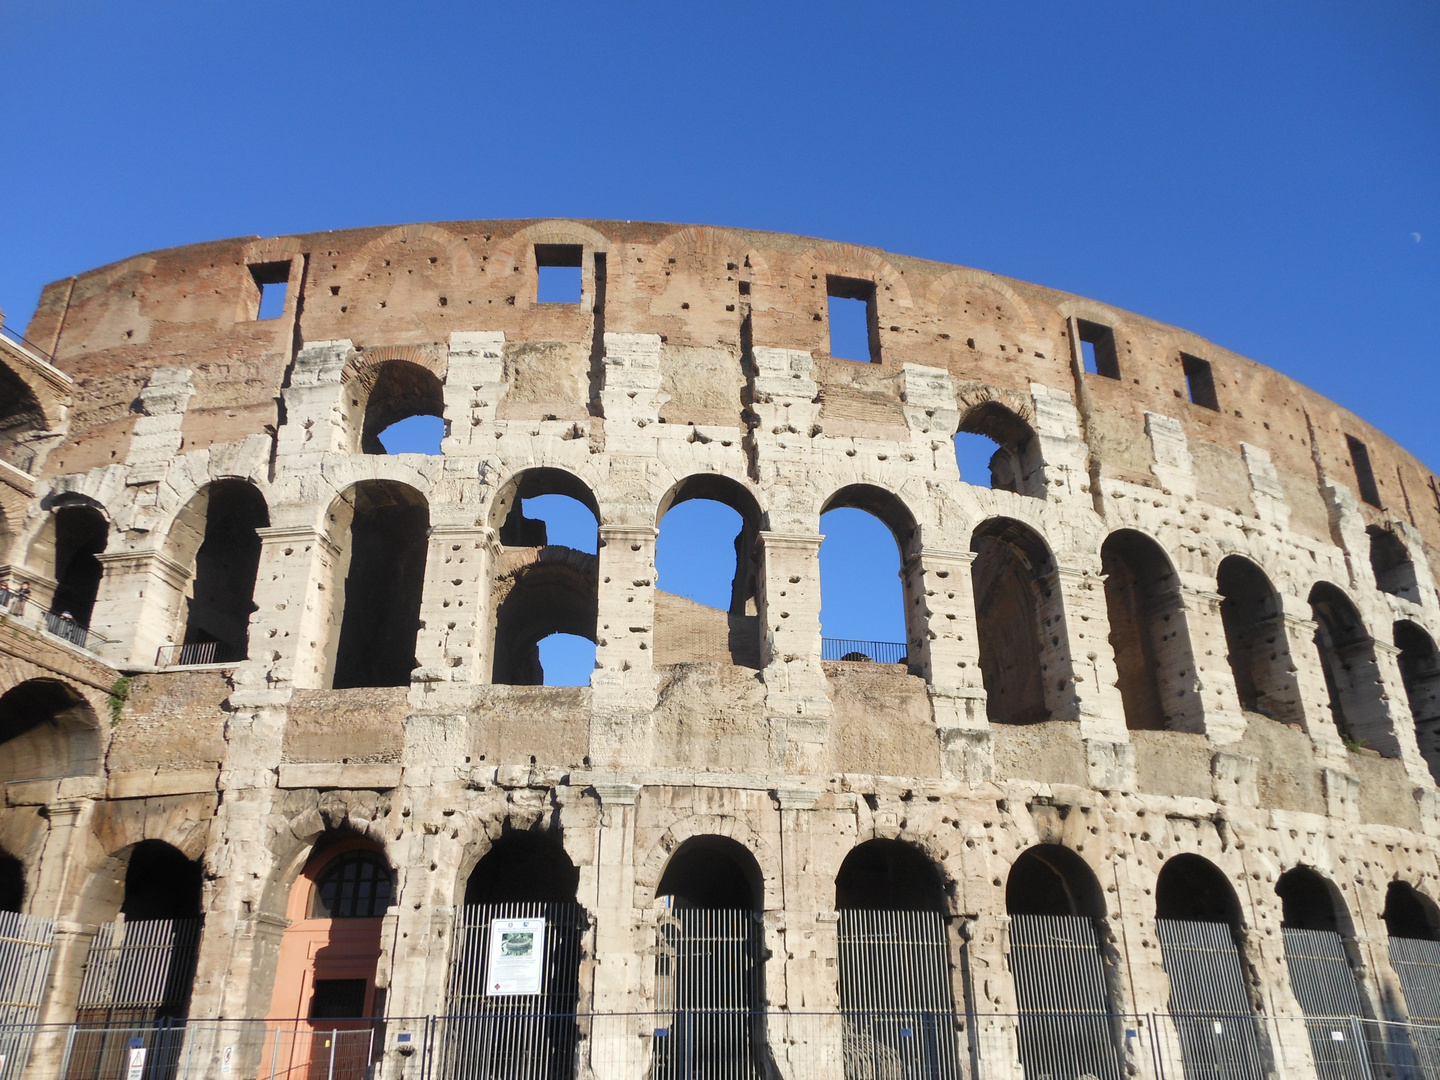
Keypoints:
(1097, 349)
(1200, 380)
(854, 325)
(272, 280)
(1364, 474)
(559, 271)
(338, 999)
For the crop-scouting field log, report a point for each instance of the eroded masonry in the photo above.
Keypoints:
(1148, 788)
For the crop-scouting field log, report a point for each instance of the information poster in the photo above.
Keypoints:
(517, 957)
(137, 1063)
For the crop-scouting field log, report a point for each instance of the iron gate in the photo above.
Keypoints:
(1065, 1022)
(27, 944)
(1417, 965)
(1324, 985)
(709, 994)
(1219, 1039)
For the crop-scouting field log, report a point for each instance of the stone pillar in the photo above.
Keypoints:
(453, 643)
(294, 632)
(796, 695)
(1065, 458)
(317, 416)
(138, 605)
(624, 676)
(474, 384)
(615, 1052)
(1210, 652)
(1096, 696)
(631, 396)
(1310, 683)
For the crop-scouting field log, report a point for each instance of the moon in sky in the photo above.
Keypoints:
(1415, 236)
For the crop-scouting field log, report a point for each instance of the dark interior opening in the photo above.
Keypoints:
(161, 883)
(1191, 887)
(1307, 901)
(46, 730)
(1348, 657)
(712, 872)
(524, 867)
(552, 596)
(338, 999)
(1097, 348)
(399, 390)
(388, 539)
(1258, 651)
(888, 875)
(1200, 381)
(12, 883)
(851, 313)
(1011, 575)
(1146, 630)
(1407, 914)
(1390, 560)
(1053, 880)
(81, 534)
(225, 568)
(1419, 663)
(1364, 473)
(21, 420)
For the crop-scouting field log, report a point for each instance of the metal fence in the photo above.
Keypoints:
(27, 944)
(880, 652)
(1324, 985)
(1209, 1005)
(28, 613)
(201, 652)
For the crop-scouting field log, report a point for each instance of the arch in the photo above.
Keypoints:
(506, 514)
(1016, 464)
(979, 281)
(1017, 607)
(355, 884)
(1419, 663)
(382, 568)
(22, 421)
(1050, 879)
(1391, 563)
(710, 871)
(1409, 913)
(860, 602)
(1149, 635)
(1310, 901)
(1192, 888)
(215, 536)
(12, 883)
(47, 730)
(391, 391)
(1258, 650)
(1352, 677)
(528, 867)
(554, 594)
(687, 627)
(80, 533)
(889, 875)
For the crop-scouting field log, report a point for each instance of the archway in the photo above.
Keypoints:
(404, 408)
(1318, 937)
(1391, 563)
(226, 560)
(1197, 919)
(1411, 922)
(1419, 663)
(22, 421)
(895, 973)
(1352, 677)
(866, 607)
(80, 534)
(995, 448)
(1258, 650)
(1148, 635)
(705, 562)
(519, 902)
(710, 961)
(383, 570)
(1062, 987)
(47, 730)
(1017, 609)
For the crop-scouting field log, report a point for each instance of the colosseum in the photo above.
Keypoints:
(1149, 790)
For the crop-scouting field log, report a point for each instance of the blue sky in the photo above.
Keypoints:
(1265, 174)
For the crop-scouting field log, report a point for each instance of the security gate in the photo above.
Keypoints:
(1065, 1025)
(1324, 985)
(709, 995)
(1417, 964)
(513, 1036)
(26, 945)
(896, 1002)
(1219, 1039)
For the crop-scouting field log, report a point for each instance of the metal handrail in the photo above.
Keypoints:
(879, 652)
(26, 343)
(29, 613)
(195, 653)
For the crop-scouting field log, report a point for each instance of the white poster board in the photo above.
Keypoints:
(137, 1063)
(517, 957)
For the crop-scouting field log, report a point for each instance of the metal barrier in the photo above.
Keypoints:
(28, 613)
(201, 652)
(25, 343)
(879, 652)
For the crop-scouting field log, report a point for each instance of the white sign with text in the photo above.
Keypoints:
(517, 957)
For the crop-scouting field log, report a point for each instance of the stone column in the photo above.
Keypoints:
(138, 605)
(618, 1050)
(1214, 681)
(624, 676)
(1397, 708)
(293, 633)
(453, 644)
(1096, 703)
(317, 419)
(1310, 683)
(796, 695)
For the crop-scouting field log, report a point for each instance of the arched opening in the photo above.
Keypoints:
(12, 883)
(894, 962)
(81, 533)
(384, 575)
(705, 562)
(1017, 617)
(865, 613)
(22, 421)
(546, 580)
(1390, 560)
(217, 615)
(1259, 652)
(710, 961)
(995, 448)
(141, 967)
(1411, 921)
(325, 973)
(515, 964)
(1062, 986)
(1420, 672)
(1197, 919)
(404, 408)
(1149, 636)
(1318, 935)
(1352, 677)
(47, 730)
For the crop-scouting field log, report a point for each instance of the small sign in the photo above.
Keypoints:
(403, 1037)
(1219, 1028)
(136, 1069)
(227, 1060)
(517, 957)
(1337, 1036)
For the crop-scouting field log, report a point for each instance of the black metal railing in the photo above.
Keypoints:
(879, 652)
(25, 343)
(201, 652)
(67, 629)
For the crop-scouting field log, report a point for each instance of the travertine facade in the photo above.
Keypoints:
(696, 364)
